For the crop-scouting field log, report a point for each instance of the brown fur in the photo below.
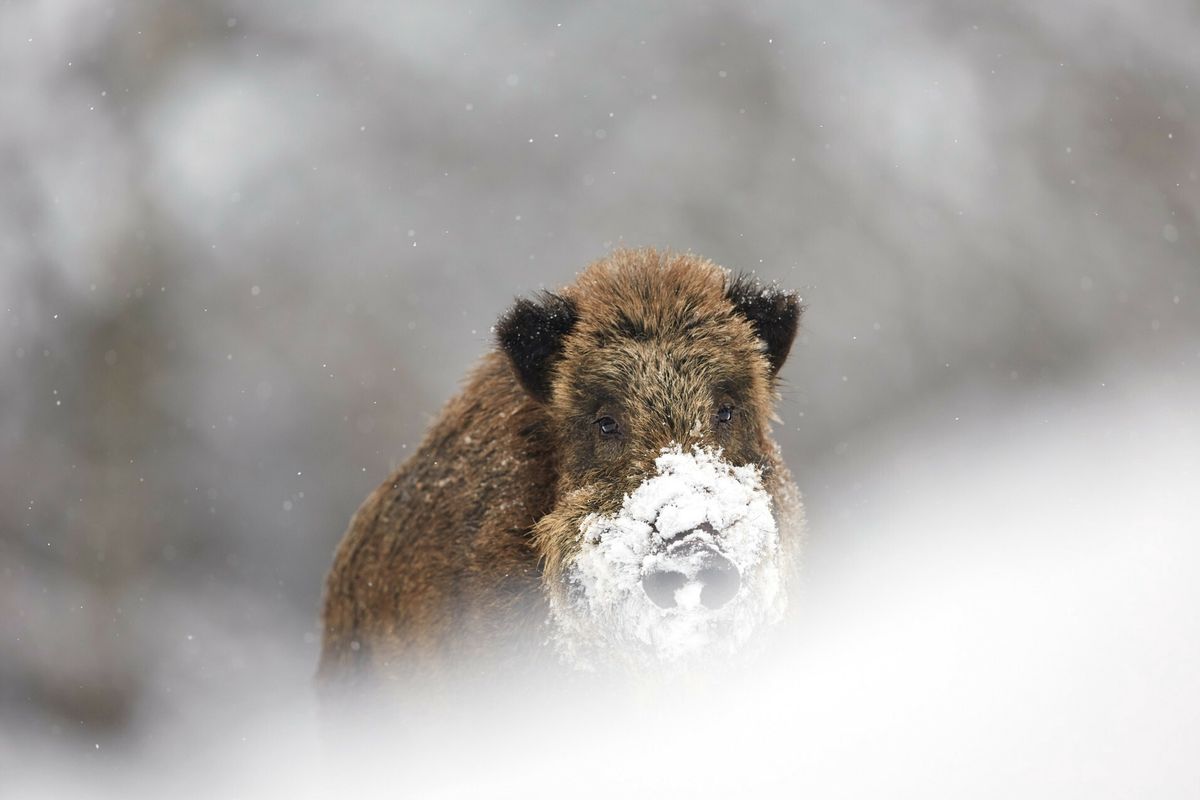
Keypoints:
(451, 560)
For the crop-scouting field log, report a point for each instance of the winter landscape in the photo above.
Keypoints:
(248, 250)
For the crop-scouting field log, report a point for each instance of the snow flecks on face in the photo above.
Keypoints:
(697, 510)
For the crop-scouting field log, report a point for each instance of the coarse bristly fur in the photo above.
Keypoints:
(468, 556)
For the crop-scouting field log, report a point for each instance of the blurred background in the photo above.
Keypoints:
(248, 249)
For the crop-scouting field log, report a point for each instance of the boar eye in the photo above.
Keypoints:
(608, 426)
(724, 413)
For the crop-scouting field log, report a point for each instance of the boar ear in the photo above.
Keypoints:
(532, 334)
(774, 313)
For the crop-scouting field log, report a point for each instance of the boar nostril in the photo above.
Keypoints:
(721, 581)
(661, 587)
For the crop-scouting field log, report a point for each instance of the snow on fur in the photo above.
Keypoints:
(661, 527)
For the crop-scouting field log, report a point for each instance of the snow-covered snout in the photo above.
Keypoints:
(693, 570)
(688, 565)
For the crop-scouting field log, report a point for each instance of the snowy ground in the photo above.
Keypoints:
(1001, 606)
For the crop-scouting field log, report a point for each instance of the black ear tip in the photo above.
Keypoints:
(512, 322)
(529, 321)
(774, 313)
(531, 333)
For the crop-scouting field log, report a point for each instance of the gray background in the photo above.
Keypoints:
(247, 250)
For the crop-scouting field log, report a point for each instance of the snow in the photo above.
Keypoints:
(696, 505)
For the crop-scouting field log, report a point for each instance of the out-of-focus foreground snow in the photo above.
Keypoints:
(1014, 613)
